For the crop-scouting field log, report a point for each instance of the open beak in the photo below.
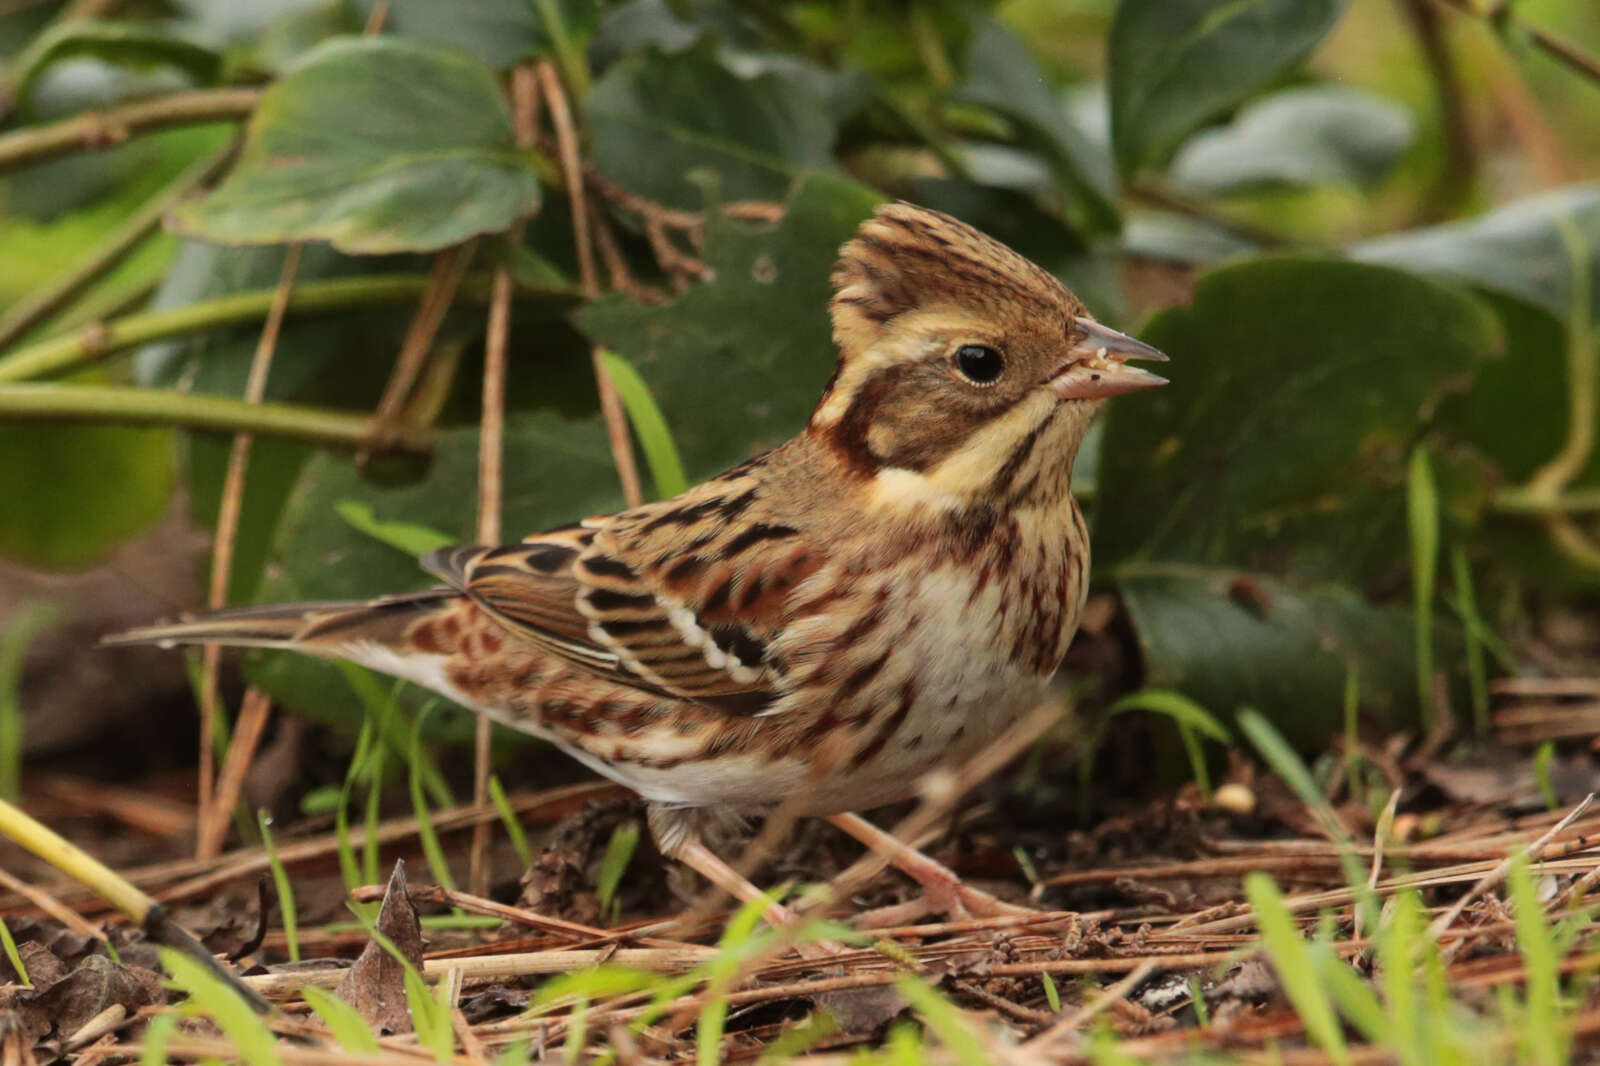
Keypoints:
(1097, 365)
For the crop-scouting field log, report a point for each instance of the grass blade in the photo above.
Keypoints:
(519, 839)
(343, 1021)
(1422, 515)
(13, 955)
(1292, 959)
(666, 468)
(282, 884)
(213, 998)
(25, 625)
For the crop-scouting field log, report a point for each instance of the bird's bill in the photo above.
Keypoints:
(1097, 365)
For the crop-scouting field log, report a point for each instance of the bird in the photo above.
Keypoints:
(827, 623)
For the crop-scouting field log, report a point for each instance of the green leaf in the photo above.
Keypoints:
(1174, 64)
(1517, 249)
(377, 145)
(408, 537)
(1225, 637)
(689, 112)
(134, 45)
(499, 32)
(73, 493)
(1176, 706)
(1002, 75)
(1309, 135)
(737, 364)
(665, 466)
(342, 1020)
(1297, 386)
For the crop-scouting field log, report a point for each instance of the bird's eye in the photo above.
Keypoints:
(979, 363)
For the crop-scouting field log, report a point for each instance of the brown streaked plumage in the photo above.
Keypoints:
(882, 595)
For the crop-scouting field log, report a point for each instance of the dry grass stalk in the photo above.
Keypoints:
(254, 713)
(610, 403)
(208, 838)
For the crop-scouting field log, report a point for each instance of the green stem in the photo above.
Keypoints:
(111, 127)
(1562, 51)
(574, 64)
(126, 404)
(1526, 501)
(23, 316)
(95, 342)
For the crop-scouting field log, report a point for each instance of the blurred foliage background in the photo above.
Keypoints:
(1365, 231)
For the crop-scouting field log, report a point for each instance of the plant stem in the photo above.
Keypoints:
(1521, 500)
(95, 342)
(1562, 51)
(126, 404)
(29, 312)
(574, 63)
(105, 129)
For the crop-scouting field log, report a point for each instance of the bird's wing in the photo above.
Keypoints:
(682, 597)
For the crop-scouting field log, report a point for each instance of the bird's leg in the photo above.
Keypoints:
(703, 861)
(943, 891)
(677, 834)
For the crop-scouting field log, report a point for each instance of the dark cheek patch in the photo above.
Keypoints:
(912, 418)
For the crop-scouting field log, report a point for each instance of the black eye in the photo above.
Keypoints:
(979, 363)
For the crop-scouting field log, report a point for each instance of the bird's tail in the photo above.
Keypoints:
(334, 629)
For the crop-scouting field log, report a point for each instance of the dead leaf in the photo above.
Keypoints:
(376, 984)
(94, 985)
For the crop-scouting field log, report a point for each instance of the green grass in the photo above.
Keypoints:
(283, 886)
(26, 624)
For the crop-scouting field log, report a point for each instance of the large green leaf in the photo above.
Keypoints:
(1311, 135)
(72, 493)
(1297, 387)
(657, 119)
(499, 32)
(738, 364)
(1526, 248)
(1003, 76)
(135, 45)
(1229, 638)
(1174, 64)
(377, 145)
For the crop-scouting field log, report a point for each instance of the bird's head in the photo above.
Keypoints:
(967, 374)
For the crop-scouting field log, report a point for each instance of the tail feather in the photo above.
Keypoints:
(324, 628)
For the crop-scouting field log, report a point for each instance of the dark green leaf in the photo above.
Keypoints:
(499, 32)
(377, 145)
(72, 493)
(738, 364)
(1180, 239)
(1312, 135)
(688, 112)
(1226, 638)
(1297, 386)
(1174, 64)
(134, 45)
(1518, 249)
(1003, 76)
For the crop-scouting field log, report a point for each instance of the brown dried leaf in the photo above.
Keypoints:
(376, 984)
(96, 984)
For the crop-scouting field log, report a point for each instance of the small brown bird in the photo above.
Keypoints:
(881, 596)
